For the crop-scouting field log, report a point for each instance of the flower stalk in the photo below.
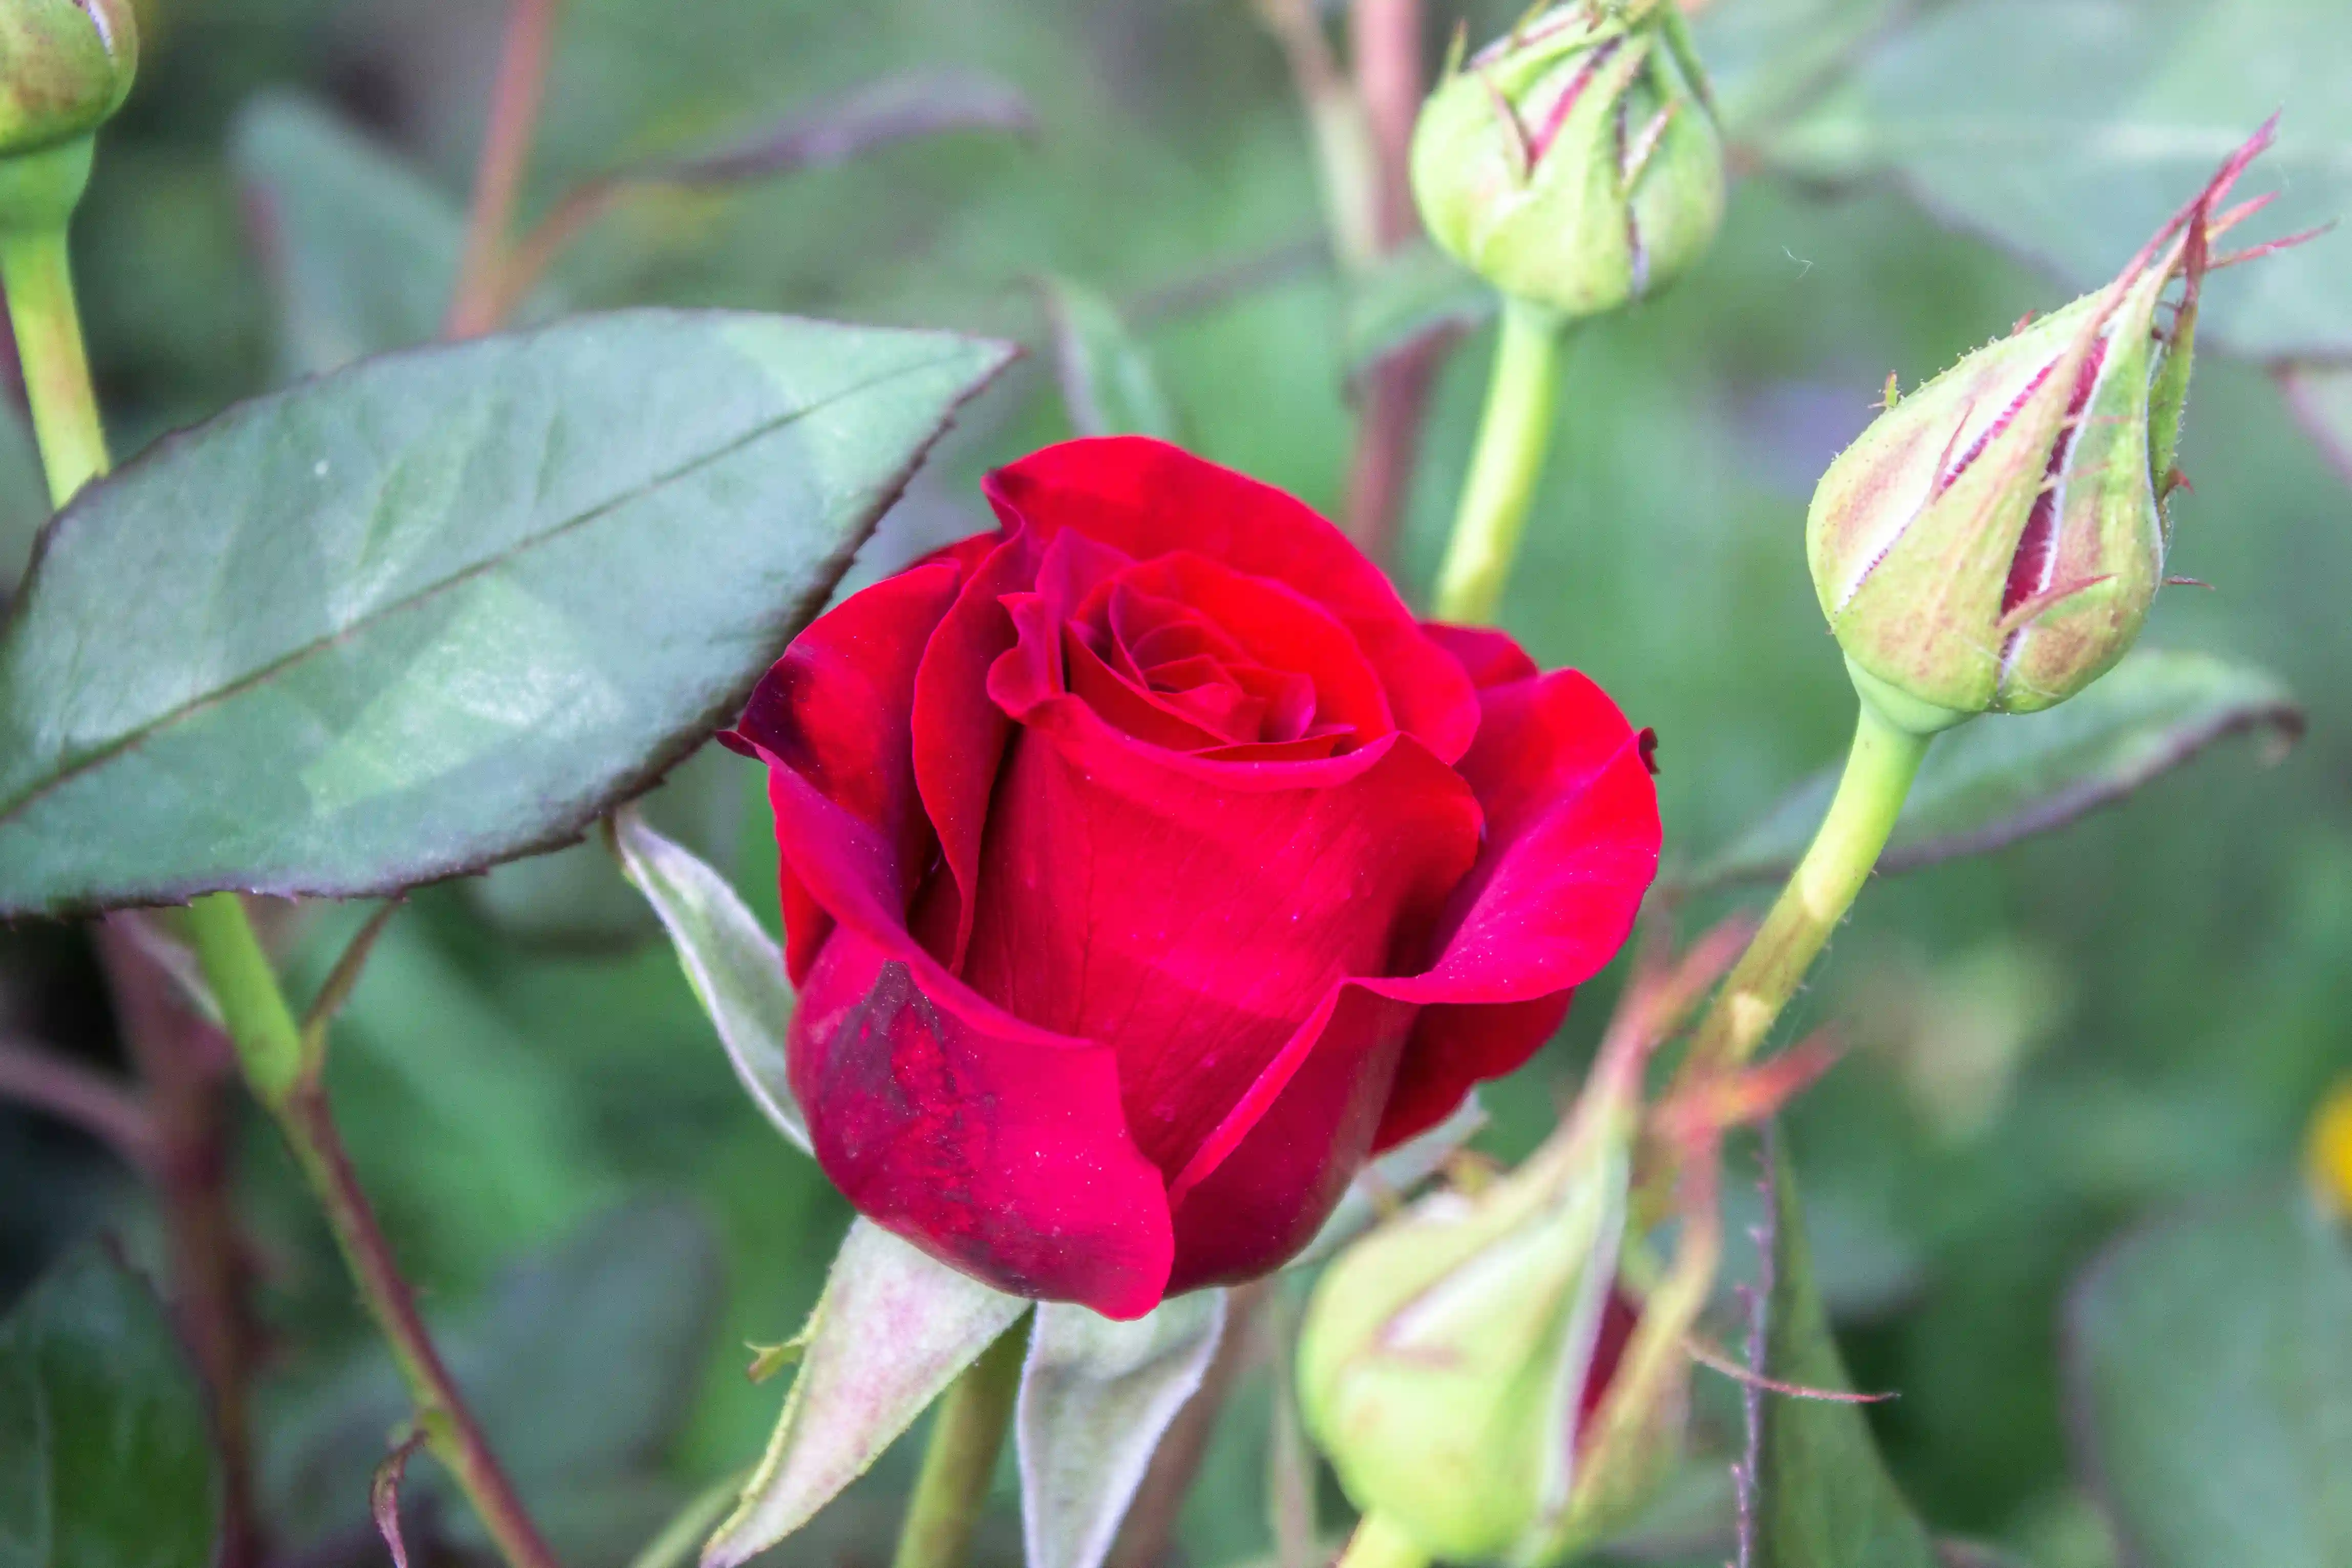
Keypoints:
(279, 1060)
(1514, 433)
(1879, 771)
(1377, 1543)
(966, 1436)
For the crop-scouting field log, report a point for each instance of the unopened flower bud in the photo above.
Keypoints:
(1458, 1365)
(65, 67)
(1994, 540)
(1574, 163)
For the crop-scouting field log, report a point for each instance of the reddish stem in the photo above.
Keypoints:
(1391, 76)
(515, 101)
(184, 1062)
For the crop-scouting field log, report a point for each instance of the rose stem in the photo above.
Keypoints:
(1878, 774)
(515, 98)
(283, 1064)
(280, 1064)
(1513, 433)
(1391, 78)
(184, 1063)
(1377, 1543)
(960, 1457)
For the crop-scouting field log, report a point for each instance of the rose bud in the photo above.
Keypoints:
(1146, 868)
(1574, 163)
(1476, 1370)
(64, 67)
(1994, 540)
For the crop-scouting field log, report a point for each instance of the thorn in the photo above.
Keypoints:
(1893, 394)
(2175, 481)
(769, 1359)
(2023, 323)
(1714, 1360)
(1456, 49)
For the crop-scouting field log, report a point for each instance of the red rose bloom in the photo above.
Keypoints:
(1147, 867)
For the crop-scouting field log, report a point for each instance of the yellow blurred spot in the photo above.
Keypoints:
(2331, 1149)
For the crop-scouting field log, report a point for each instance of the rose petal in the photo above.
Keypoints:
(1288, 1168)
(1490, 658)
(962, 1129)
(1572, 838)
(1275, 627)
(836, 709)
(1191, 913)
(959, 734)
(1148, 498)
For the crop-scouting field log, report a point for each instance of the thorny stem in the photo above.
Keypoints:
(966, 1435)
(1513, 433)
(1870, 795)
(515, 101)
(1377, 1543)
(283, 1075)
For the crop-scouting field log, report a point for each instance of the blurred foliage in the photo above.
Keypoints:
(96, 1403)
(500, 1090)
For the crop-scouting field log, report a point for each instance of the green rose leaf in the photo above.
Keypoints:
(736, 968)
(443, 608)
(106, 1456)
(2208, 1358)
(2066, 130)
(1988, 784)
(1108, 384)
(1096, 1396)
(1822, 1498)
(361, 249)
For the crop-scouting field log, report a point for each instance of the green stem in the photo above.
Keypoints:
(966, 1435)
(1377, 1543)
(37, 270)
(1878, 774)
(35, 267)
(1513, 434)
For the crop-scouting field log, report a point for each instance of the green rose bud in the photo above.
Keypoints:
(1574, 163)
(1994, 540)
(64, 67)
(1459, 1366)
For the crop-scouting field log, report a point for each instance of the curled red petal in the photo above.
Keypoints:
(1150, 498)
(1572, 839)
(1490, 658)
(1271, 1191)
(959, 734)
(1191, 913)
(836, 711)
(998, 1151)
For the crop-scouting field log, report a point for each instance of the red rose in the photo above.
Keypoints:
(1147, 867)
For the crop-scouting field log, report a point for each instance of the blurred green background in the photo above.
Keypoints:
(2050, 1041)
